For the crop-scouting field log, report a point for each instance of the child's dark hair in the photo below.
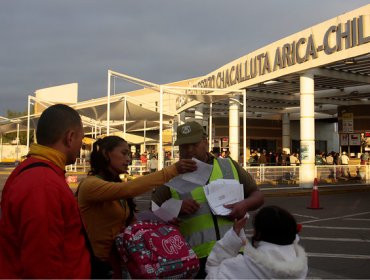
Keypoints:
(275, 225)
(99, 162)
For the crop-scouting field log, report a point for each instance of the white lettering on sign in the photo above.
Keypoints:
(172, 245)
(342, 36)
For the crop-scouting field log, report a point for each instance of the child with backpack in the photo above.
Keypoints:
(272, 252)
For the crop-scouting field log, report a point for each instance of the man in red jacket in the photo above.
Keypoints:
(41, 233)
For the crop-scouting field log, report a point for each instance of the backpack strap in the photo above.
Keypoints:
(35, 164)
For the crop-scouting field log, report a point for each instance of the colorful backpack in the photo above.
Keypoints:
(151, 249)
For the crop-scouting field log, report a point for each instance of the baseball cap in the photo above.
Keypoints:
(189, 133)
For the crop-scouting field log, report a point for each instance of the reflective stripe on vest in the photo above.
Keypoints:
(199, 228)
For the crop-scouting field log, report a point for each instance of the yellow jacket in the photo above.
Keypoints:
(102, 211)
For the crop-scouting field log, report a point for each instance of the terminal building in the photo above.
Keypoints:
(307, 93)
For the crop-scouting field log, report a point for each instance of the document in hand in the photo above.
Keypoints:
(221, 192)
(199, 176)
(188, 181)
(169, 209)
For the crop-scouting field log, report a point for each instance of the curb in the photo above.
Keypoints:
(322, 190)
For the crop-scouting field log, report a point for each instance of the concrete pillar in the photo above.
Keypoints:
(234, 126)
(307, 129)
(286, 133)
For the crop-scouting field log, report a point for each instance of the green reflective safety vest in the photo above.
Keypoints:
(200, 228)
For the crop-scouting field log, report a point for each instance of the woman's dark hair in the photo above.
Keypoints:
(99, 163)
(99, 160)
(275, 225)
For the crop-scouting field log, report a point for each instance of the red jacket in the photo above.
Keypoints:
(40, 226)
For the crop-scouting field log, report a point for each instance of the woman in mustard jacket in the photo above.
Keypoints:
(106, 203)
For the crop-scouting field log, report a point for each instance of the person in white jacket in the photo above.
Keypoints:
(273, 251)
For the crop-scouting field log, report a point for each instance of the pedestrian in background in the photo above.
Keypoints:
(364, 158)
(153, 164)
(41, 232)
(293, 159)
(330, 159)
(345, 161)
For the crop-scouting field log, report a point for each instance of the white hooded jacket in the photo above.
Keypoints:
(267, 261)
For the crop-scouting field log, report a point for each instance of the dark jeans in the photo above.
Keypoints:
(202, 269)
(100, 269)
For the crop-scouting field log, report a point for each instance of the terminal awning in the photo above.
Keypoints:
(10, 127)
(135, 117)
(117, 110)
(139, 125)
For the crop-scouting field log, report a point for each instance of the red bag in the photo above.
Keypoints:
(156, 250)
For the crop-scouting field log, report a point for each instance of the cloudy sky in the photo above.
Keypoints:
(48, 42)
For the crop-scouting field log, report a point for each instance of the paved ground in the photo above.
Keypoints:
(336, 237)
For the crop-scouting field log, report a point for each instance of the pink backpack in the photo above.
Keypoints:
(151, 249)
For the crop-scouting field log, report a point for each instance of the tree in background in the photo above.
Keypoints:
(9, 137)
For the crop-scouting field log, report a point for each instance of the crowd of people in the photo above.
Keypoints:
(149, 160)
(46, 231)
(293, 159)
(258, 157)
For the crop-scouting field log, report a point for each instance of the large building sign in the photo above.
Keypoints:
(336, 38)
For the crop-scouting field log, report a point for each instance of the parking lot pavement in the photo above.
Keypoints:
(336, 237)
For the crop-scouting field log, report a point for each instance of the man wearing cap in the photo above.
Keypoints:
(197, 223)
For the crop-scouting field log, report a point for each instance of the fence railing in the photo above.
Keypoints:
(282, 176)
(326, 175)
(79, 165)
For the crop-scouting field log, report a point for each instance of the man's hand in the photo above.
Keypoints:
(238, 210)
(175, 222)
(185, 165)
(189, 206)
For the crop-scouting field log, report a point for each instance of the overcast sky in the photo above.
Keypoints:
(48, 42)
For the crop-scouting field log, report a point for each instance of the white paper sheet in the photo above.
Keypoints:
(181, 185)
(169, 209)
(188, 181)
(199, 176)
(221, 192)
